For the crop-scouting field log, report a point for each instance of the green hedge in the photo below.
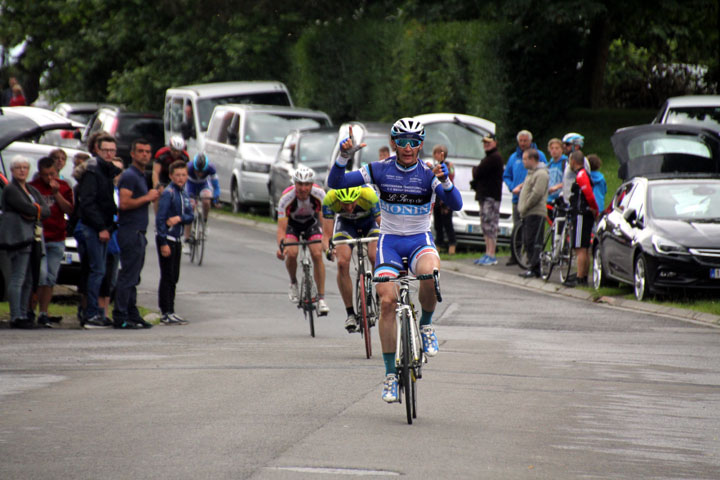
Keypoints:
(382, 70)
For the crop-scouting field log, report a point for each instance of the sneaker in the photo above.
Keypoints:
(429, 340)
(294, 294)
(487, 261)
(390, 388)
(178, 319)
(23, 323)
(168, 320)
(141, 323)
(481, 260)
(98, 321)
(43, 321)
(322, 307)
(126, 325)
(186, 247)
(351, 324)
(55, 319)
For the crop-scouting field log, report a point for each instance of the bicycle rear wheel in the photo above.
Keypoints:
(566, 255)
(547, 262)
(518, 247)
(200, 241)
(362, 310)
(405, 371)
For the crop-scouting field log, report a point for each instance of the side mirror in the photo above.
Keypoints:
(630, 216)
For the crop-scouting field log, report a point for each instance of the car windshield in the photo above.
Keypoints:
(708, 117)
(661, 144)
(685, 201)
(263, 127)
(206, 106)
(460, 141)
(316, 147)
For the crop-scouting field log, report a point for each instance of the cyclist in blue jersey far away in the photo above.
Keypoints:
(407, 188)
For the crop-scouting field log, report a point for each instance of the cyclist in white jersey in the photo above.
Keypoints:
(299, 214)
(408, 188)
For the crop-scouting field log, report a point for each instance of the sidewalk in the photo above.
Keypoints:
(501, 273)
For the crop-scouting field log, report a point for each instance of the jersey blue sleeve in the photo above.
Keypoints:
(338, 178)
(451, 198)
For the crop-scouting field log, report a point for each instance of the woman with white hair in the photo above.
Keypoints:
(21, 235)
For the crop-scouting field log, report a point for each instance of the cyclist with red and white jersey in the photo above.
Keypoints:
(299, 215)
(583, 204)
(408, 188)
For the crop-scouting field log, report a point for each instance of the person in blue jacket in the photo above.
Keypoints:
(598, 181)
(174, 211)
(514, 175)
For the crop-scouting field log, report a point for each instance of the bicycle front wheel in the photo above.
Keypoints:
(566, 256)
(362, 310)
(200, 242)
(406, 380)
(518, 247)
(193, 235)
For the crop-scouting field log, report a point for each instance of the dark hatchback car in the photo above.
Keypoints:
(126, 127)
(662, 229)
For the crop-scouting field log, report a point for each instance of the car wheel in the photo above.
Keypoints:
(235, 197)
(641, 282)
(600, 278)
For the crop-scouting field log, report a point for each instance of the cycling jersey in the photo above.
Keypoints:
(582, 197)
(367, 205)
(164, 159)
(406, 194)
(300, 210)
(201, 180)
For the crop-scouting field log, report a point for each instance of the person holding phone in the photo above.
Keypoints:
(442, 215)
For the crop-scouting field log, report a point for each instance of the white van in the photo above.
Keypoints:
(242, 143)
(188, 109)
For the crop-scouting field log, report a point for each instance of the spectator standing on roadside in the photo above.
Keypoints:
(18, 98)
(60, 158)
(96, 211)
(442, 215)
(134, 198)
(572, 142)
(8, 92)
(598, 180)
(532, 208)
(174, 211)
(74, 229)
(112, 259)
(487, 180)
(514, 175)
(383, 152)
(58, 196)
(556, 168)
(582, 201)
(23, 210)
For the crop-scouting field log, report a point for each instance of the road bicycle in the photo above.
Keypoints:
(517, 245)
(366, 304)
(308, 298)
(198, 233)
(557, 245)
(409, 355)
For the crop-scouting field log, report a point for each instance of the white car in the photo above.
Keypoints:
(698, 110)
(242, 142)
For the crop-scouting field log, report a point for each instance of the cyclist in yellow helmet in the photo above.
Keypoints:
(358, 215)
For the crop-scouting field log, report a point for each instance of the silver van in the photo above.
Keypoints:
(188, 109)
(242, 142)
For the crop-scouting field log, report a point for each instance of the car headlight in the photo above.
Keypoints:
(663, 246)
(259, 167)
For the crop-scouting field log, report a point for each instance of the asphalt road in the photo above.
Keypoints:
(526, 385)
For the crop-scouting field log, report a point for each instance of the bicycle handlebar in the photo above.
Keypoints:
(354, 241)
(301, 242)
(435, 276)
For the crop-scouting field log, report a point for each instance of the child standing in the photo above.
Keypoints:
(174, 211)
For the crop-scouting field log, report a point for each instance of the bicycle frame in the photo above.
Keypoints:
(308, 293)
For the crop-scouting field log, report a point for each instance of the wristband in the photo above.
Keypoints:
(342, 161)
(447, 185)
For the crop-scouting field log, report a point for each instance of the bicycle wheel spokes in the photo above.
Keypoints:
(518, 247)
(362, 311)
(405, 371)
(200, 241)
(546, 255)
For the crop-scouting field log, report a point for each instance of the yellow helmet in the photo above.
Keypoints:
(348, 195)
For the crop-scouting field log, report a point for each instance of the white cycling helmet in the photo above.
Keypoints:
(408, 128)
(177, 142)
(304, 174)
(574, 139)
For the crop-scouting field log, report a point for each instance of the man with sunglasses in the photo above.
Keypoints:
(408, 188)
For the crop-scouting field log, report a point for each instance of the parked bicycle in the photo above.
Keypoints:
(198, 233)
(409, 355)
(366, 304)
(557, 244)
(308, 297)
(517, 245)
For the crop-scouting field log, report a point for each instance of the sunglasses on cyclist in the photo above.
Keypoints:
(404, 142)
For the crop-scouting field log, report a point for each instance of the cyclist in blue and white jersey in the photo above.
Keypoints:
(202, 183)
(408, 188)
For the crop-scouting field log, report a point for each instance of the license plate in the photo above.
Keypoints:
(68, 258)
(470, 228)
(504, 232)
(715, 273)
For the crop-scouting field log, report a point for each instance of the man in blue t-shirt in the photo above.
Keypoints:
(133, 200)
